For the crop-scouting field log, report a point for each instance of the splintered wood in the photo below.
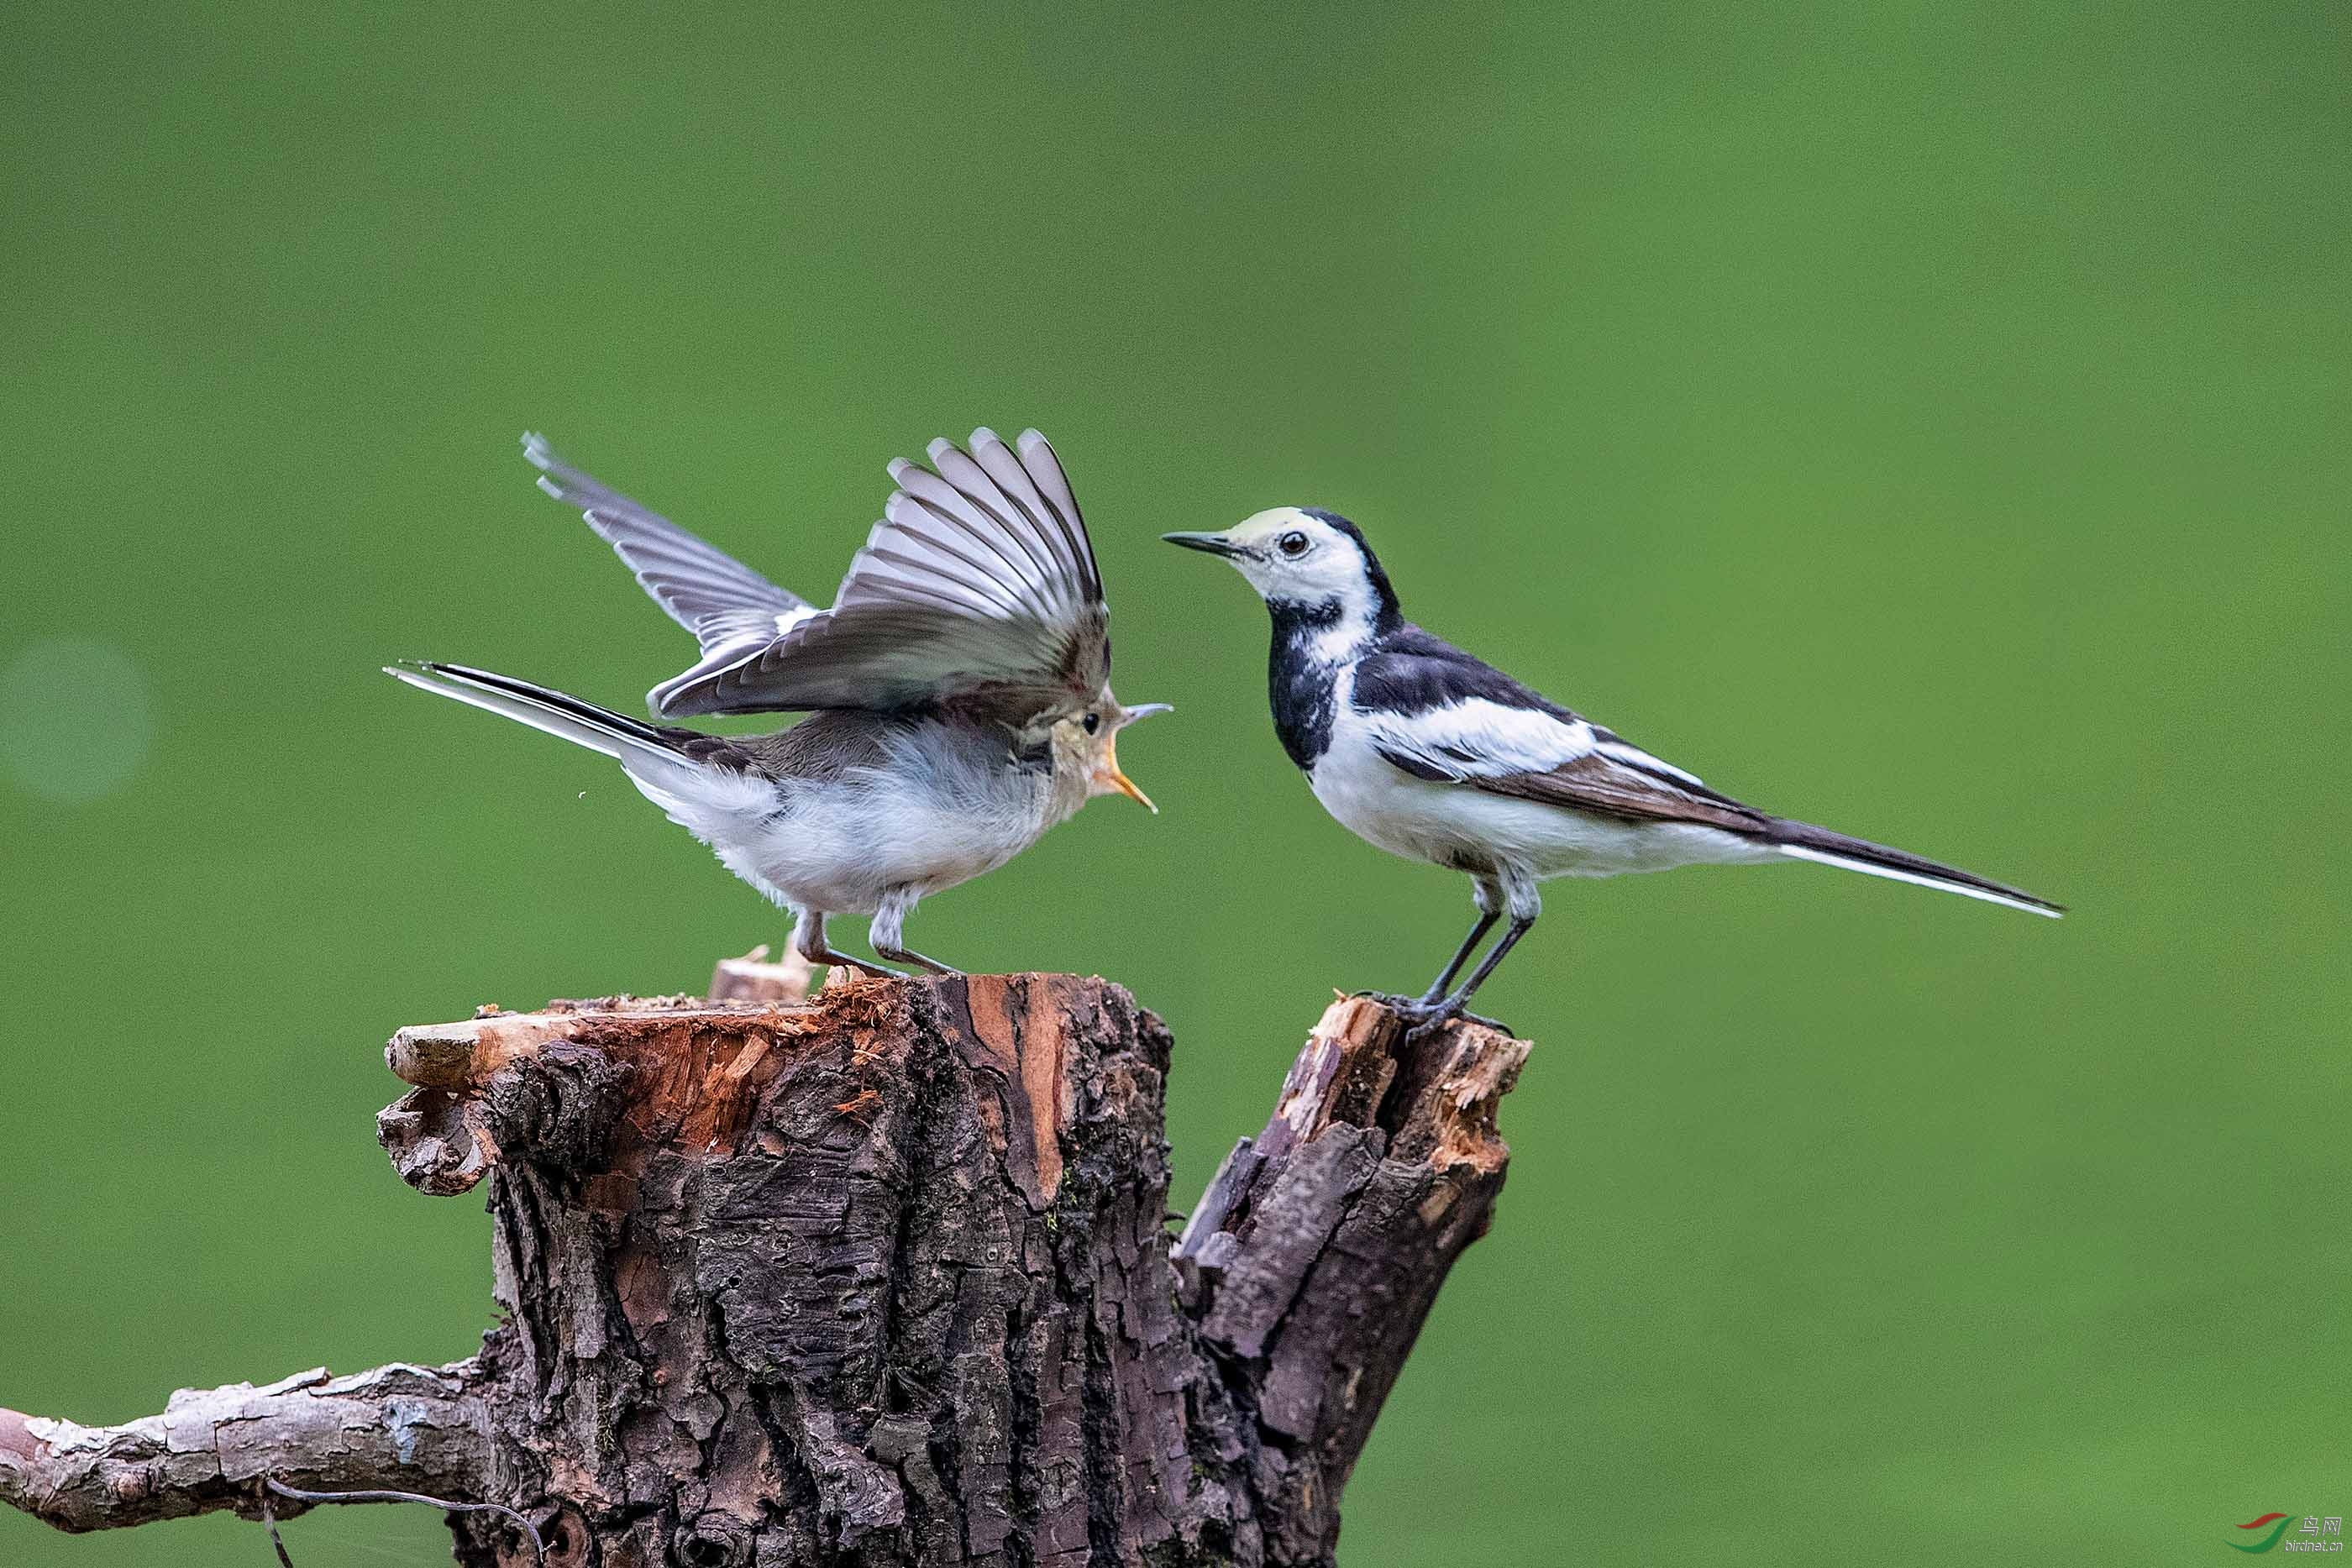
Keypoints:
(1318, 1248)
(692, 1072)
(880, 1277)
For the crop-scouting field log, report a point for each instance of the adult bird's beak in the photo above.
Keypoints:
(1213, 544)
(1107, 770)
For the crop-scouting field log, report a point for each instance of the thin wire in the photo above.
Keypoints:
(272, 1484)
(269, 1517)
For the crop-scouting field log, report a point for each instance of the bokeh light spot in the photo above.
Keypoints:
(77, 719)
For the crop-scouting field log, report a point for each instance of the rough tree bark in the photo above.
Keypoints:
(882, 1278)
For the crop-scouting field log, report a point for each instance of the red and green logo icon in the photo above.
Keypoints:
(2315, 1534)
(2275, 1524)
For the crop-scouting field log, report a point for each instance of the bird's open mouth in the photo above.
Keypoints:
(1107, 772)
(1108, 775)
(1211, 544)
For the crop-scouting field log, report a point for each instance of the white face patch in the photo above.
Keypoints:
(1296, 560)
(1293, 555)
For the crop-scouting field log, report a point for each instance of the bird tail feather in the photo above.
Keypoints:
(1804, 842)
(650, 754)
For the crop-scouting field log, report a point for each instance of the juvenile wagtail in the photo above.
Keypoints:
(1430, 754)
(958, 691)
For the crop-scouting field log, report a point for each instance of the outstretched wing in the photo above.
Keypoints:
(732, 610)
(978, 578)
(1439, 714)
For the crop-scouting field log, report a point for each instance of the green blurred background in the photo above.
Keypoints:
(1929, 420)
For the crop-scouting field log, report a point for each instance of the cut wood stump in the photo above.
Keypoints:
(882, 1277)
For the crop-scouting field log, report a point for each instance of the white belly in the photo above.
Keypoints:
(1467, 829)
(842, 846)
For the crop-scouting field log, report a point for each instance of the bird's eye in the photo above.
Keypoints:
(1093, 722)
(1292, 544)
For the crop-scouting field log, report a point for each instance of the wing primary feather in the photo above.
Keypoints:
(893, 572)
(973, 485)
(698, 584)
(1021, 571)
(1044, 468)
(909, 516)
(996, 459)
(978, 576)
(1071, 574)
(961, 542)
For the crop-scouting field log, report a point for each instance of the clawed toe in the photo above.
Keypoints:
(1395, 1001)
(1422, 1017)
(1438, 1018)
(867, 967)
(1427, 1018)
(928, 966)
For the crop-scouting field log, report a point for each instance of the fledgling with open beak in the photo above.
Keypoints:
(958, 692)
(1428, 753)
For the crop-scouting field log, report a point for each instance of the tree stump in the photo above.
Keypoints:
(881, 1278)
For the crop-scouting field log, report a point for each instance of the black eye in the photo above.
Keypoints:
(1093, 722)
(1293, 545)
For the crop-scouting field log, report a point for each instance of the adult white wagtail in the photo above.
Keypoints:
(1433, 755)
(960, 689)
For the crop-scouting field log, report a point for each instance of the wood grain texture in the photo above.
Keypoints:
(880, 1278)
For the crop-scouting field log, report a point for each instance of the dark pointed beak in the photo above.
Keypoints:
(1211, 544)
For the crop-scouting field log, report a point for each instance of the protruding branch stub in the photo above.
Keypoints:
(1318, 1249)
(549, 1085)
(907, 1217)
(1431, 1101)
(418, 1428)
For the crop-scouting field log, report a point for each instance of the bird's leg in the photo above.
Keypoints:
(808, 938)
(889, 920)
(1489, 899)
(1451, 1008)
(1415, 1007)
(1488, 896)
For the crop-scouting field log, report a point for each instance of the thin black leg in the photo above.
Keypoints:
(1436, 992)
(1452, 1006)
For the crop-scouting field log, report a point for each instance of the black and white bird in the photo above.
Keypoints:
(1430, 754)
(958, 691)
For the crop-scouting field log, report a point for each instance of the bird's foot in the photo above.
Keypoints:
(1423, 1020)
(1425, 1016)
(928, 966)
(862, 968)
(1397, 1002)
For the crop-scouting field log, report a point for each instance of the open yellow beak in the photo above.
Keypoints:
(1108, 772)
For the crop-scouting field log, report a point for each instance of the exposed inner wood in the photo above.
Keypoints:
(878, 1277)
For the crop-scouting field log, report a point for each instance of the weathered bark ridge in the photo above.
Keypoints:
(881, 1278)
